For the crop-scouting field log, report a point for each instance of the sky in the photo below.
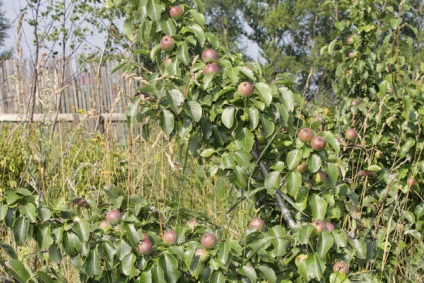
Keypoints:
(12, 10)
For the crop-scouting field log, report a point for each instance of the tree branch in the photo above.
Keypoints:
(285, 212)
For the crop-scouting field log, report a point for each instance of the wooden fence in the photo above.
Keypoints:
(64, 88)
(67, 86)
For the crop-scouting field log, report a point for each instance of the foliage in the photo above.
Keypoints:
(290, 35)
(110, 254)
(252, 141)
(4, 25)
(224, 19)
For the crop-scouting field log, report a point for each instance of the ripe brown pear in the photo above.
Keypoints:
(209, 54)
(305, 135)
(318, 143)
(341, 267)
(176, 12)
(170, 237)
(167, 43)
(208, 240)
(245, 89)
(257, 223)
(113, 216)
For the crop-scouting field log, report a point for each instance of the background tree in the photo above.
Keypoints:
(289, 34)
(225, 19)
(4, 26)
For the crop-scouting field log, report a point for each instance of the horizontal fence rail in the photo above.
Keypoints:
(111, 117)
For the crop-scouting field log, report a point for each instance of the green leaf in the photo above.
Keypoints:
(268, 273)
(223, 252)
(55, 254)
(168, 27)
(240, 177)
(154, 10)
(71, 243)
(198, 17)
(128, 267)
(183, 54)
(217, 277)
(92, 264)
(293, 183)
(207, 152)
(199, 33)
(207, 79)
(269, 126)
(406, 147)
(8, 250)
(133, 236)
(314, 163)
(340, 25)
(19, 271)
(228, 116)
(359, 246)
(146, 276)
(29, 211)
(331, 47)
(419, 210)
(265, 92)
(374, 168)
(254, 117)
(242, 157)
(128, 29)
(195, 110)
(304, 234)
(44, 213)
(339, 278)
(108, 250)
(122, 249)
(43, 236)
(169, 264)
(333, 172)
(233, 74)
(249, 272)
(247, 72)
(288, 98)
(3, 211)
(325, 242)
(315, 267)
(280, 241)
(244, 139)
(155, 52)
(20, 230)
(293, 158)
(332, 141)
(166, 121)
(82, 229)
(273, 180)
(45, 277)
(284, 113)
(340, 238)
(227, 161)
(157, 274)
(24, 192)
(177, 100)
(213, 39)
(318, 206)
(408, 215)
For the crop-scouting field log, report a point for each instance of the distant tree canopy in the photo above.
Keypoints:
(4, 24)
(291, 33)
